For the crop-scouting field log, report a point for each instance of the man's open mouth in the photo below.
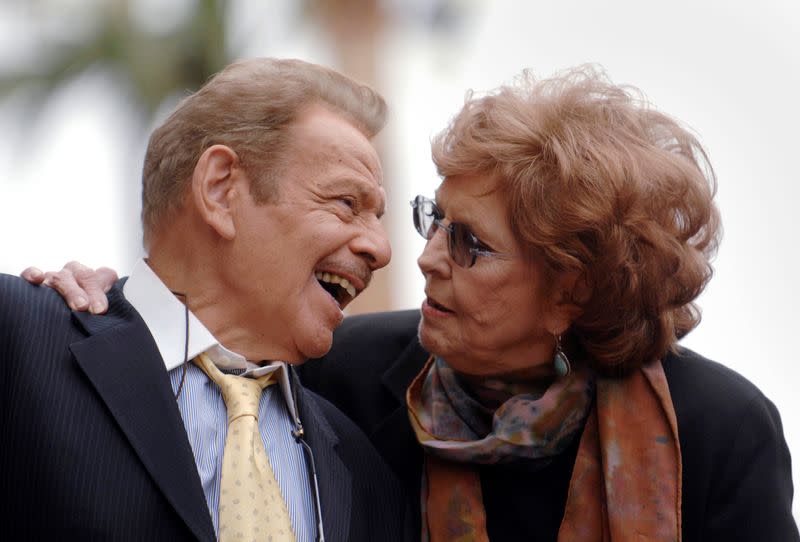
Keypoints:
(339, 287)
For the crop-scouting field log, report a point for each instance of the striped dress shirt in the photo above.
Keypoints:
(203, 409)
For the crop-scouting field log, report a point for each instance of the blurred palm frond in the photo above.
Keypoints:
(151, 66)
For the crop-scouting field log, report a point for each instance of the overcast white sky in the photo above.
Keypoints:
(729, 69)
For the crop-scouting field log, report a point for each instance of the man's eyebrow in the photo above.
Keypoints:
(367, 194)
(362, 189)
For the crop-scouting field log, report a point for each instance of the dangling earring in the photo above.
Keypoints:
(560, 359)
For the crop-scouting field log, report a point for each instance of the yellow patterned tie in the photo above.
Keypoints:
(251, 506)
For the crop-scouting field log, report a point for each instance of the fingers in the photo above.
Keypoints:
(34, 275)
(65, 282)
(93, 285)
(107, 277)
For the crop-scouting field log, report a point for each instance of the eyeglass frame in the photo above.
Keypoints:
(472, 249)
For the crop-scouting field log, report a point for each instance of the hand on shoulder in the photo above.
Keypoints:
(83, 288)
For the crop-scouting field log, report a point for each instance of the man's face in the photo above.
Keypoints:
(299, 260)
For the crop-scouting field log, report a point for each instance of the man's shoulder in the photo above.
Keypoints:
(36, 327)
(25, 304)
(17, 289)
(18, 294)
(41, 310)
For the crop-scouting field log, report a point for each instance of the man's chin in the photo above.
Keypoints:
(316, 347)
(313, 333)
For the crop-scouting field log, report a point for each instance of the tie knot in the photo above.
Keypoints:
(241, 394)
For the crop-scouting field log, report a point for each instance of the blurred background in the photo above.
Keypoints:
(82, 83)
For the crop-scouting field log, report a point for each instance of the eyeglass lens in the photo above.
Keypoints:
(427, 218)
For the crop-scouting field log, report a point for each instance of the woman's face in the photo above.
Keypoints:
(495, 317)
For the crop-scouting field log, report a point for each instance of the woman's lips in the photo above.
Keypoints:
(435, 305)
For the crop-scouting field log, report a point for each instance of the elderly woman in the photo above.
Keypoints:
(545, 396)
(540, 393)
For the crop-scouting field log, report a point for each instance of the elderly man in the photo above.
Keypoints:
(262, 198)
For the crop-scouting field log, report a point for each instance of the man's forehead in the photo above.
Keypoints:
(345, 153)
(331, 136)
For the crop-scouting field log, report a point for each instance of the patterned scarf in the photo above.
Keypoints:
(632, 426)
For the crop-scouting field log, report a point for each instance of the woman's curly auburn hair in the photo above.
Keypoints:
(602, 185)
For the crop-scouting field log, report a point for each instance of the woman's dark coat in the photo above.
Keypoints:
(737, 482)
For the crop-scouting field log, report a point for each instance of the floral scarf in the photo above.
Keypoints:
(625, 484)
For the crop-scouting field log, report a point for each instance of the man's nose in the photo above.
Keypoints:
(373, 244)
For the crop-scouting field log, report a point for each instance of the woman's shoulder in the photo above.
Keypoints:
(733, 452)
(696, 382)
(713, 403)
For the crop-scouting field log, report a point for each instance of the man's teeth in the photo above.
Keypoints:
(336, 279)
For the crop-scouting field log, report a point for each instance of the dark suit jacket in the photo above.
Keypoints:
(92, 445)
(736, 484)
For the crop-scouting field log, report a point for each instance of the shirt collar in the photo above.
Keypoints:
(165, 317)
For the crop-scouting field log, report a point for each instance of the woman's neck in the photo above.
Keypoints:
(494, 390)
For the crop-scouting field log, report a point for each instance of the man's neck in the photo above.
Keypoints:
(197, 283)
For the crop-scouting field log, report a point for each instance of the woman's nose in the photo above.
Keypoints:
(434, 258)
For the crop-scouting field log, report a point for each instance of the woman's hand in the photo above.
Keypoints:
(83, 288)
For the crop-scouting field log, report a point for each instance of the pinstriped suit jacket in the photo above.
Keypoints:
(92, 446)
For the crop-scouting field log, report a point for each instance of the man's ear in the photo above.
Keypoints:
(569, 291)
(214, 187)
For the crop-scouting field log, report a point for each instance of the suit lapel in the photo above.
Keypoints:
(122, 362)
(334, 477)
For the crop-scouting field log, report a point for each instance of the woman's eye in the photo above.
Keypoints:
(480, 245)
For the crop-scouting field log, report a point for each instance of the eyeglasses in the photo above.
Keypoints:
(463, 246)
